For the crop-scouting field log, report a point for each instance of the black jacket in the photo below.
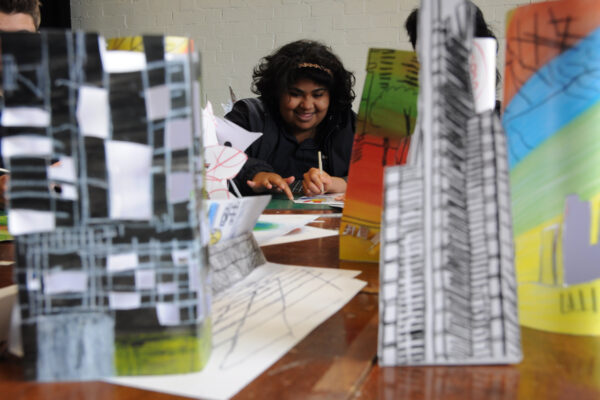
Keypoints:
(278, 150)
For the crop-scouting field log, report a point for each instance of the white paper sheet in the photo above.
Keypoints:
(304, 233)
(178, 134)
(158, 102)
(25, 116)
(124, 300)
(483, 73)
(22, 221)
(181, 185)
(65, 282)
(255, 322)
(121, 262)
(272, 226)
(26, 145)
(128, 167)
(93, 112)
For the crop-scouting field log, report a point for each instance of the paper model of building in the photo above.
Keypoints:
(101, 148)
(448, 292)
(386, 120)
(551, 119)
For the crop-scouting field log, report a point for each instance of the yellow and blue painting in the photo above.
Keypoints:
(552, 120)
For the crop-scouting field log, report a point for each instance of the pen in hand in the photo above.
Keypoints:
(321, 171)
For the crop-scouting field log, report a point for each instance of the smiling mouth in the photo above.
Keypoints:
(304, 116)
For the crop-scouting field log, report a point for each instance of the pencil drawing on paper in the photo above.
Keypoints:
(552, 70)
(448, 292)
(102, 153)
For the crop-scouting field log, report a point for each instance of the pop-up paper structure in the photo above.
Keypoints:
(102, 152)
(552, 119)
(386, 119)
(448, 292)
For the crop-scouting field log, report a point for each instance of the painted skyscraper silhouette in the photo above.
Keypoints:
(448, 292)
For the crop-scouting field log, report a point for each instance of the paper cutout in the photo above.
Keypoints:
(25, 116)
(483, 73)
(448, 293)
(386, 119)
(128, 166)
(552, 103)
(223, 163)
(256, 322)
(93, 112)
(101, 293)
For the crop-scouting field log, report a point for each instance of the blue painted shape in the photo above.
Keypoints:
(558, 93)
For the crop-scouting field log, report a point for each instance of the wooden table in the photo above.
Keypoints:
(338, 359)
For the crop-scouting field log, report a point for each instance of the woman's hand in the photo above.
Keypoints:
(316, 182)
(270, 181)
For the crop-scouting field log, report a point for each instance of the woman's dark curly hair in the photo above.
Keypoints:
(282, 68)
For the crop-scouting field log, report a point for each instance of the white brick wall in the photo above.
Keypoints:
(233, 35)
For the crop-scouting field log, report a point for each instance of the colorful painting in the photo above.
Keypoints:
(551, 117)
(386, 119)
(103, 195)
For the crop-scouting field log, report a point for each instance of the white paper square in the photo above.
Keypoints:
(22, 221)
(178, 133)
(93, 111)
(121, 262)
(26, 145)
(25, 116)
(158, 102)
(181, 185)
(129, 180)
(168, 314)
(124, 300)
(65, 282)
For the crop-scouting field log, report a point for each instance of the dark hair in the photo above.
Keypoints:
(30, 7)
(482, 30)
(303, 59)
(481, 27)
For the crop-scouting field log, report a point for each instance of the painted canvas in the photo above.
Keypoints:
(448, 293)
(386, 119)
(551, 118)
(103, 152)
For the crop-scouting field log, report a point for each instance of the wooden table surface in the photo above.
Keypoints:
(338, 359)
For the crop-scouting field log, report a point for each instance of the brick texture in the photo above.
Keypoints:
(234, 34)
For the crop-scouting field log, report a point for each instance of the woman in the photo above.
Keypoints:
(304, 107)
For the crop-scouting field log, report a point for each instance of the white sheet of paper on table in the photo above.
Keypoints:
(271, 226)
(305, 233)
(255, 322)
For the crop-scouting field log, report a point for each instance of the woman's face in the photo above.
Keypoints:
(304, 105)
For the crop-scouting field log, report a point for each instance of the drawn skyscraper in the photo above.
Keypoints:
(110, 265)
(448, 292)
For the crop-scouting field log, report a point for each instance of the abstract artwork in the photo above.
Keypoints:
(448, 292)
(386, 119)
(103, 150)
(551, 118)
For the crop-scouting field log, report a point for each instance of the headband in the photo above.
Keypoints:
(317, 66)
